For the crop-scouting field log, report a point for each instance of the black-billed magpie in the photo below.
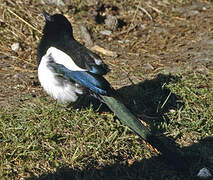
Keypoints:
(67, 69)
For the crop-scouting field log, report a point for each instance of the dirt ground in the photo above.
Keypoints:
(153, 37)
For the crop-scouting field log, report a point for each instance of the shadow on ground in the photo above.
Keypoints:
(197, 156)
(150, 97)
(150, 100)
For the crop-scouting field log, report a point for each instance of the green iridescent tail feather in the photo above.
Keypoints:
(126, 117)
(173, 154)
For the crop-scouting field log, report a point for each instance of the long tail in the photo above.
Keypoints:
(173, 154)
(126, 117)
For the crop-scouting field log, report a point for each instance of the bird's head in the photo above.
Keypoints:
(57, 24)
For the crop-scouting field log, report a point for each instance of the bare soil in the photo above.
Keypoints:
(170, 37)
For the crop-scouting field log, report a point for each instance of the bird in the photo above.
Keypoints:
(67, 70)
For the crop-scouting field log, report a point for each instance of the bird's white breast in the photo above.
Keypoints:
(56, 86)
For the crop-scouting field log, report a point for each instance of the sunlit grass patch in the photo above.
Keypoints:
(42, 137)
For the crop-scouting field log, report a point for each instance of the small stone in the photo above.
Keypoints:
(127, 41)
(31, 76)
(16, 76)
(85, 35)
(204, 173)
(16, 47)
(204, 8)
(148, 67)
(111, 22)
(106, 32)
(172, 111)
(56, 2)
(92, 2)
(124, 42)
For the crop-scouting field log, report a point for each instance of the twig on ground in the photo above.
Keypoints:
(104, 51)
(21, 19)
(155, 9)
(146, 12)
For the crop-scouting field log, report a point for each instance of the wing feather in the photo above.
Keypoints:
(94, 82)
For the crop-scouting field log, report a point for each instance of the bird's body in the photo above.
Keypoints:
(66, 68)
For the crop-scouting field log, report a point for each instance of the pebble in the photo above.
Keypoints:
(124, 42)
(148, 66)
(56, 2)
(204, 173)
(31, 76)
(16, 47)
(111, 22)
(172, 111)
(204, 8)
(106, 32)
(85, 35)
(92, 2)
(16, 76)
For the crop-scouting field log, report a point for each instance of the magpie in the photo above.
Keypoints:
(67, 70)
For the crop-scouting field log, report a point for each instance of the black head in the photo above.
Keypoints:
(57, 25)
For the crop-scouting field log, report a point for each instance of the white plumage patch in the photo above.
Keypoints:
(56, 86)
(98, 61)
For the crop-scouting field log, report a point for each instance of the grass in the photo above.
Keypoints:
(42, 137)
(196, 116)
(47, 137)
